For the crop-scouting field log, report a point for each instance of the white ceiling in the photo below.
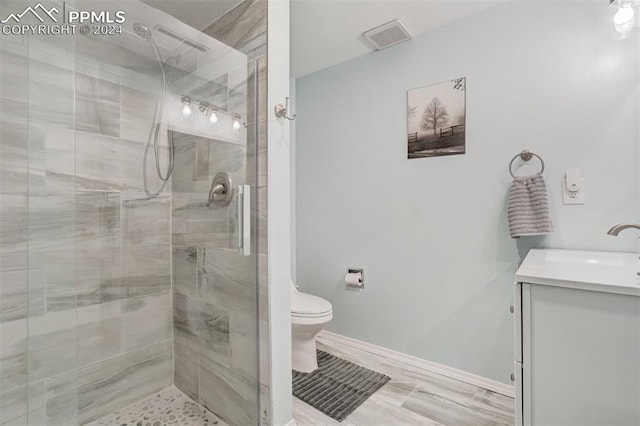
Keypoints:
(199, 14)
(328, 32)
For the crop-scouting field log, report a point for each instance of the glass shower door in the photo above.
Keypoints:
(118, 278)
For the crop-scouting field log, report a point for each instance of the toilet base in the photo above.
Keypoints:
(303, 347)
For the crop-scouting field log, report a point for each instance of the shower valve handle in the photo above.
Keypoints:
(221, 191)
(218, 193)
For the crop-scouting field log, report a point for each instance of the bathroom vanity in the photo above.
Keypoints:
(577, 338)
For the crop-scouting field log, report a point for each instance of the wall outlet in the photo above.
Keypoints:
(574, 197)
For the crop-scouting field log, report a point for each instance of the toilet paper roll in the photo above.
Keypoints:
(353, 279)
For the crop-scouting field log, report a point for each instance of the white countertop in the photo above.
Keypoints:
(609, 272)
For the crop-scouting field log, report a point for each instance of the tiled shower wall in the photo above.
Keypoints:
(85, 276)
(218, 314)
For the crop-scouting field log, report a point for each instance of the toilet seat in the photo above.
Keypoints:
(308, 306)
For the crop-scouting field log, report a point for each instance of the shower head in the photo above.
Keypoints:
(142, 31)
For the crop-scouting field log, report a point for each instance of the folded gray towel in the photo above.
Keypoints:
(528, 207)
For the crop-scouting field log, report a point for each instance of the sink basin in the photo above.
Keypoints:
(588, 270)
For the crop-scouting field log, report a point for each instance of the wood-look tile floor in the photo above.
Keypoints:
(413, 397)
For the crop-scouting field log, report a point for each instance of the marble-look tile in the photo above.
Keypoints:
(14, 81)
(49, 82)
(148, 269)
(184, 169)
(146, 221)
(194, 223)
(37, 397)
(227, 279)
(185, 270)
(37, 291)
(13, 404)
(213, 156)
(62, 399)
(37, 417)
(100, 275)
(97, 218)
(115, 382)
(99, 332)
(137, 114)
(107, 163)
(229, 156)
(201, 326)
(19, 421)
(97, 105)
(228, 393)
(146, 320)
(14, 295)
(431, 405)
(51, 220)
(204, 169)
(51, 158)
(13, 354)
(13, 231)
(95, 234)
(49, 341)
(240, 25)
(186, 374)
(14, 137)
(56, 51)
(243, 335)
(59, 275)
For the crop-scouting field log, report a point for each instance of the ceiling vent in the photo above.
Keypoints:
(387, 35)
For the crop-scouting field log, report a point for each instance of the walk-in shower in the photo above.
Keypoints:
(119, 285)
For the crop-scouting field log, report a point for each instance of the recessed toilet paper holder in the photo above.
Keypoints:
(355, 271)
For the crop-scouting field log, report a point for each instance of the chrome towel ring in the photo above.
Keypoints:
(525, 155)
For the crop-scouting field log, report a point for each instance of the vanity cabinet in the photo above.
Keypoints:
(577, 342)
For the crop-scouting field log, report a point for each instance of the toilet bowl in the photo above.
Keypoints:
(309, 315)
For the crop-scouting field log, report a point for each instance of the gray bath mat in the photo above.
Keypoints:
(337, 387)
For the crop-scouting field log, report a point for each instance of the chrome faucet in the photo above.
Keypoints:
(621, 227)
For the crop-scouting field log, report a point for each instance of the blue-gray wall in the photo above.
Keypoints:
(432, 233)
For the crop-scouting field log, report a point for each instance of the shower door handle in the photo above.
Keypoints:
(244, 220)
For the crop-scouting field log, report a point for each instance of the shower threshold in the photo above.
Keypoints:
(170, 406)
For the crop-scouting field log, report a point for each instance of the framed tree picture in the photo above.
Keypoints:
(436, 119)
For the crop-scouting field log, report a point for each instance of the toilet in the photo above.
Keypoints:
(309, 315)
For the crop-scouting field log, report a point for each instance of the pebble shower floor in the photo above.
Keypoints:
(167, 407)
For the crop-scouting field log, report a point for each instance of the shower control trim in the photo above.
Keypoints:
(221, 191)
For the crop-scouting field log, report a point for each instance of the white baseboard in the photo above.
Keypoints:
(291, 422)
(433, 367)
